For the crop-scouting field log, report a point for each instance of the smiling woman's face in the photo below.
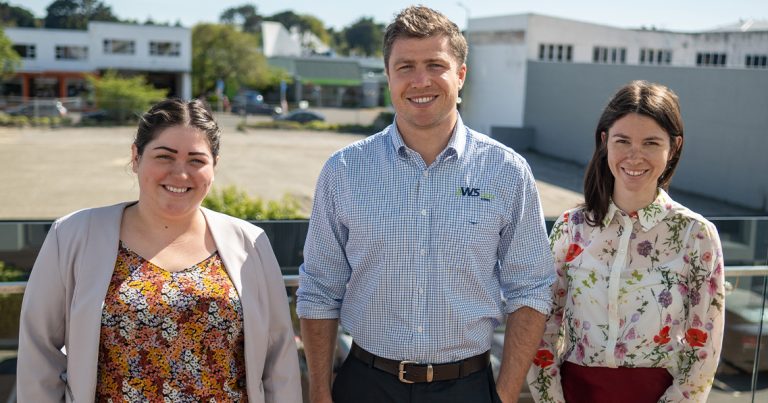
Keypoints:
(175, 171)
(638, 153)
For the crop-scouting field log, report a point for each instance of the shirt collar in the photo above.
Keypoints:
(456, 145)
(649, 215)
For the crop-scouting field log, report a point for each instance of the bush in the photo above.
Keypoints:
(237, 203)
(12, 273)
(124, 98)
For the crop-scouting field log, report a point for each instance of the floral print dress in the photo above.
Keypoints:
(171, 337)
(646, 290)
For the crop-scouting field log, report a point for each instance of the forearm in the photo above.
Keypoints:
(523, 333)
(319, 338)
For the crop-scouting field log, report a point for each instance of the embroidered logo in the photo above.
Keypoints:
(474, 192)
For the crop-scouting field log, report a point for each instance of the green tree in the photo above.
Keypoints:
(364, 37)
(245, 16)
(75, 14)
(9, 59)
(220, 52)
(14, 16)
(124, 98)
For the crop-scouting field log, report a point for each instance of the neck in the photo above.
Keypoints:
(428, 142)
(168, 228)
(633, 201)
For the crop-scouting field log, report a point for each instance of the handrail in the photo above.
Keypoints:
(292, 280)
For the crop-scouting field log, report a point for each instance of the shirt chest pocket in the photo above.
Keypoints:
(469, 234)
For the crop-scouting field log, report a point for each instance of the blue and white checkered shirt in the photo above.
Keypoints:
(422, 262)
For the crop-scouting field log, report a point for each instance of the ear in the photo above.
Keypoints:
(678, 143)
(603, 137)
(216, 161)
(462, 75)
(134, 159)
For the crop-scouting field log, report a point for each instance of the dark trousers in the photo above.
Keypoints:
(357, 382)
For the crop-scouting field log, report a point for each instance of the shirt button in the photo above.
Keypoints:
(425, 173)
(424, 212)
(423, 252)
(419, 329)
(421, 290)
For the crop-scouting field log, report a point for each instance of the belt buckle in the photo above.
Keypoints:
(401, 371)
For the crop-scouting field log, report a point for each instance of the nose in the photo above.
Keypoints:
(421, 79)
(180, 169)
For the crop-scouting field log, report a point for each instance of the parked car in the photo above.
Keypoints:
(252, 103)
(39, 109)
(301, 116)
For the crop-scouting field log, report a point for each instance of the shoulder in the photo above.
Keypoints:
(681, 213)
(79, 220)
(362, 149)
(221, 221)
(480, 145)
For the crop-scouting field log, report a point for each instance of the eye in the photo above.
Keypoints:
(404, 67)
(164, 157)
(198, 161)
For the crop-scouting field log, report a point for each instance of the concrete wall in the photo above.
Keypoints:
(725, 112)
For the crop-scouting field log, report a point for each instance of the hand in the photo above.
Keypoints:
(323, 396)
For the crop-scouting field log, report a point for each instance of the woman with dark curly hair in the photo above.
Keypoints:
(638, 301)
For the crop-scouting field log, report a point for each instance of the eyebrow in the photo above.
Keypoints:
(169, 149)
(651, 137)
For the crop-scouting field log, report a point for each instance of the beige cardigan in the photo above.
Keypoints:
(66, 291)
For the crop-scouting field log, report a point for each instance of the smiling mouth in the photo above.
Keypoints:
(175, 189)
(423, 99)
(634, 172)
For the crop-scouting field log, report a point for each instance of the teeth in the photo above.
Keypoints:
(634, 173)
(422, 100)
(176, 190)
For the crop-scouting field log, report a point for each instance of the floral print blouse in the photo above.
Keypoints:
(646, 290)
(173, 337)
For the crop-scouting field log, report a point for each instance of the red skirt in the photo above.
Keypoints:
(613, 385)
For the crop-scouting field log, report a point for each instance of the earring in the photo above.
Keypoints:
(458, 100)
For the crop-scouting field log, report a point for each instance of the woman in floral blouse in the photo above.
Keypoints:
(638, 301)
(158, 299)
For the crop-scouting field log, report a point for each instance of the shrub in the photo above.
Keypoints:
(12, 273)
(238, 203)
(124, 98)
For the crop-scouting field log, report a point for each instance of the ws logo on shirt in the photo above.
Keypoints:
(474, 192)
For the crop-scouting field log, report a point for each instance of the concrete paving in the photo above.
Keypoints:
(46, 173)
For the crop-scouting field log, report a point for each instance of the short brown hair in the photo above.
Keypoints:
(644, 98)
(423, 22)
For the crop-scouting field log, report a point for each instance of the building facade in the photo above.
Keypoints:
(540, 82)
(56, 62)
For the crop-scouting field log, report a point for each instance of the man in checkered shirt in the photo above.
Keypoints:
(423, 239)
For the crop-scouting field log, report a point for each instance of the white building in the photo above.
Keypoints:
(541, 82)
(278, 41)
(55, 62)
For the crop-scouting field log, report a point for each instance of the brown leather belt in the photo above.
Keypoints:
(414, 372)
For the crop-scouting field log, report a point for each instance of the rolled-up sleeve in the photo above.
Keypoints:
(324, 274)
(526, 268)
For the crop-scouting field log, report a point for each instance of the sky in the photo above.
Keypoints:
(674, 15)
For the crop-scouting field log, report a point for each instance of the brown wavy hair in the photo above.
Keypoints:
(644, 98)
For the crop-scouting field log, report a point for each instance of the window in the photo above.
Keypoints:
(71, 52)
(164, 48)
(655, 56)
(601, 54)
(710, 59)
(119, 47)
(25, 51)
(756, 61)
(556, 52)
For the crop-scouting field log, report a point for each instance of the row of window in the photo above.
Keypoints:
(111, 47)
(616, 55)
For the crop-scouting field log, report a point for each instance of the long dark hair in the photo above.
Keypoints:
(648, 99)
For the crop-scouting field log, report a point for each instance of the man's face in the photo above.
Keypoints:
(424, 81)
